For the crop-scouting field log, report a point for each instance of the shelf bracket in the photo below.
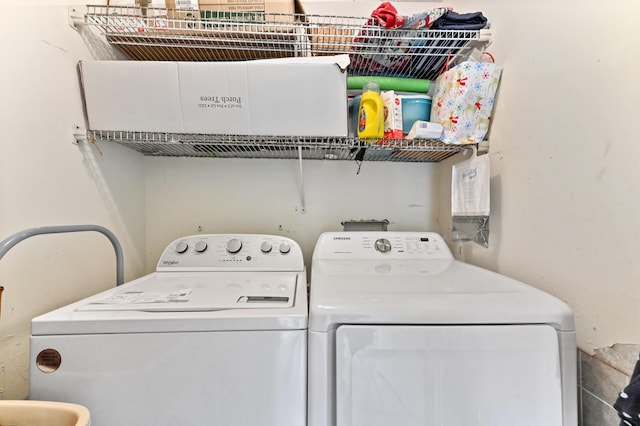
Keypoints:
(303, 207)
(79, 134)
(76, 16)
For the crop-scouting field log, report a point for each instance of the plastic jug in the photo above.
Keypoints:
(371, 112)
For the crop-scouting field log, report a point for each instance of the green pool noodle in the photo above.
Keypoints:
(400, 84)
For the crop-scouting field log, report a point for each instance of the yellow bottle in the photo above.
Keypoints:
(371, 112)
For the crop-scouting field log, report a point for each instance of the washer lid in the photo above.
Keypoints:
(186, 301)
(193, 292)
(425, 292)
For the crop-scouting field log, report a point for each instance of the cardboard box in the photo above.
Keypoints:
(279, 97)
(331, 39)
(392, 115)
(182, 13)
(178, 33)
(207, 46)
(127, 16)
(251, 10)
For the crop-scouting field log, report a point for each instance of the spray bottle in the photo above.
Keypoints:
(371, 112)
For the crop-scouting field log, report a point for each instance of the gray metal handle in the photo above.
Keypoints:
(14, 239)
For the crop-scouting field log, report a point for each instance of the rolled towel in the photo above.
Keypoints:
(390, 83)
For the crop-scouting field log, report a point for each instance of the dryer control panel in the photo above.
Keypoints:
(381, 245)
(232, 252)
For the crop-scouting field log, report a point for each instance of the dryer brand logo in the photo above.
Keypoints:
(341, 238)
(169, 262)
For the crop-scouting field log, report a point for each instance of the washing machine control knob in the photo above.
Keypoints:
(201, 246)
(285, 248)
(234, 245)
(181, 247)
(383, 245)
(266, 247)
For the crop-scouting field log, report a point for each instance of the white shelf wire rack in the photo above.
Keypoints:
(283, 147)
(169, 35)
(160, 34)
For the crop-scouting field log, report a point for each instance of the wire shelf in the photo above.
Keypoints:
(176, 35)
(160, 34)
(283, 147)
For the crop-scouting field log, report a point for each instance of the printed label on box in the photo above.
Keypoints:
(217, 103)
(220, 102)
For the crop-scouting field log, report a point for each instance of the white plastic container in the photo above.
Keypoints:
(43, 413)
(425, 130)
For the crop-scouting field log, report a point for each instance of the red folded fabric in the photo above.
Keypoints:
(387, 16)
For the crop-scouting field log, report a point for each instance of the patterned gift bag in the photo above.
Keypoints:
(463, 101)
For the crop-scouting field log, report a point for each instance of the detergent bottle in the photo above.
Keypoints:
(371, 112)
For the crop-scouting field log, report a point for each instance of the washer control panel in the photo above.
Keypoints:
(232, 252)
(381, 245)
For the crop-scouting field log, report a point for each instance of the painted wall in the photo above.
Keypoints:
(564, 157)
(264, 196)
(47, 180)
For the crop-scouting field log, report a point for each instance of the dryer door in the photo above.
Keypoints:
(448, 376)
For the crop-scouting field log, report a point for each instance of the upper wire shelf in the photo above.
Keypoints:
(160, 34)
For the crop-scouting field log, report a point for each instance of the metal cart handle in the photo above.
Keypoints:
(14, 239)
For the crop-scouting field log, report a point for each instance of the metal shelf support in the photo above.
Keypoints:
(303, 207)
(76, 15)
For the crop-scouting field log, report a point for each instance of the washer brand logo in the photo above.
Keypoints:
(342, 238)
(169, 262)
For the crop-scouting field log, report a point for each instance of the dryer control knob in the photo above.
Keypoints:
(266, 247)
(285, 248)
(383, 245)
(201, 246)
(181, 247)
(234, 245)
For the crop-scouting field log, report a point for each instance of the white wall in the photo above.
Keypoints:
(47, 180)
(563, 151)
(564, 155)
(187, 196)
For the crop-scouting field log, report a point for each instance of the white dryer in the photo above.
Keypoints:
(402, 334)
(216, 336)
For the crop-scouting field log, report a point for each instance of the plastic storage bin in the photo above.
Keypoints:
(43, 413)
(414, 108)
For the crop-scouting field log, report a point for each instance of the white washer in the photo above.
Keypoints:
(402, 334)
(217, 335)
